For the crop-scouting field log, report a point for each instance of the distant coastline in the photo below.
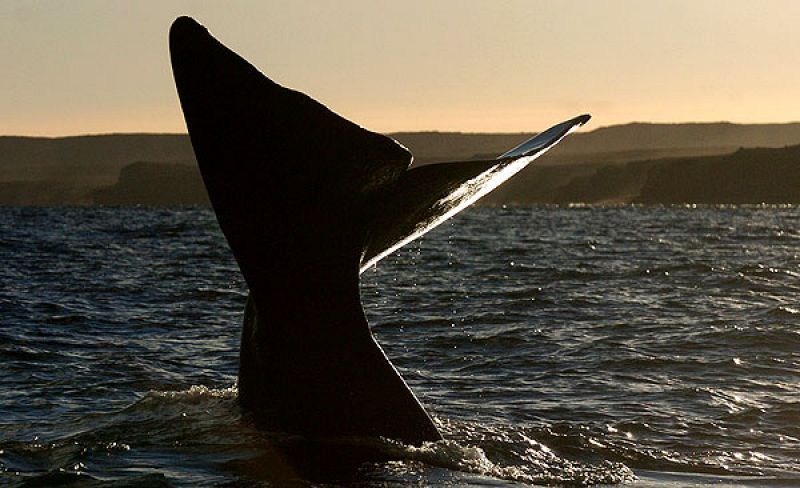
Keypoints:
(632, 163)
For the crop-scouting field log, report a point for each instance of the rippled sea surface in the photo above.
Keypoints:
(555, 346)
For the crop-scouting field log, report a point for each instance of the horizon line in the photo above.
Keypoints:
(422, 131)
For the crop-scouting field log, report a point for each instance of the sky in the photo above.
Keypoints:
(83, 67)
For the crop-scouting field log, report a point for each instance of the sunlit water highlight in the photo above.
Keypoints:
(553, 345)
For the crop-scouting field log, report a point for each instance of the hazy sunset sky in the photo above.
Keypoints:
(479, 66)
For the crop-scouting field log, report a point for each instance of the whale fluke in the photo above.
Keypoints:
(424, 197)
(308, 200)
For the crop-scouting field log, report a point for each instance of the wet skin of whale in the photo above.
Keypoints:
(307, 201)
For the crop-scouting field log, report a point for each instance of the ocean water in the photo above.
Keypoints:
(658, 346)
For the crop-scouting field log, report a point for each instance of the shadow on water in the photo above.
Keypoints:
(200, 436)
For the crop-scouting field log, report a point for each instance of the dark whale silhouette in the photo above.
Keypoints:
(308, 200)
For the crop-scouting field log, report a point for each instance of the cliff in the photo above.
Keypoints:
(154, 184)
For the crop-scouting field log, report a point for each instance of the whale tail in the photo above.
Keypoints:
(307, 200)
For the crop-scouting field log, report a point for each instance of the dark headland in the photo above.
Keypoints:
(640, 163)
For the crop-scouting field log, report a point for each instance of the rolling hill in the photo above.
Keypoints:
(604, 165)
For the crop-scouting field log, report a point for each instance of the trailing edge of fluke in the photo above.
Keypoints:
(307, 201)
